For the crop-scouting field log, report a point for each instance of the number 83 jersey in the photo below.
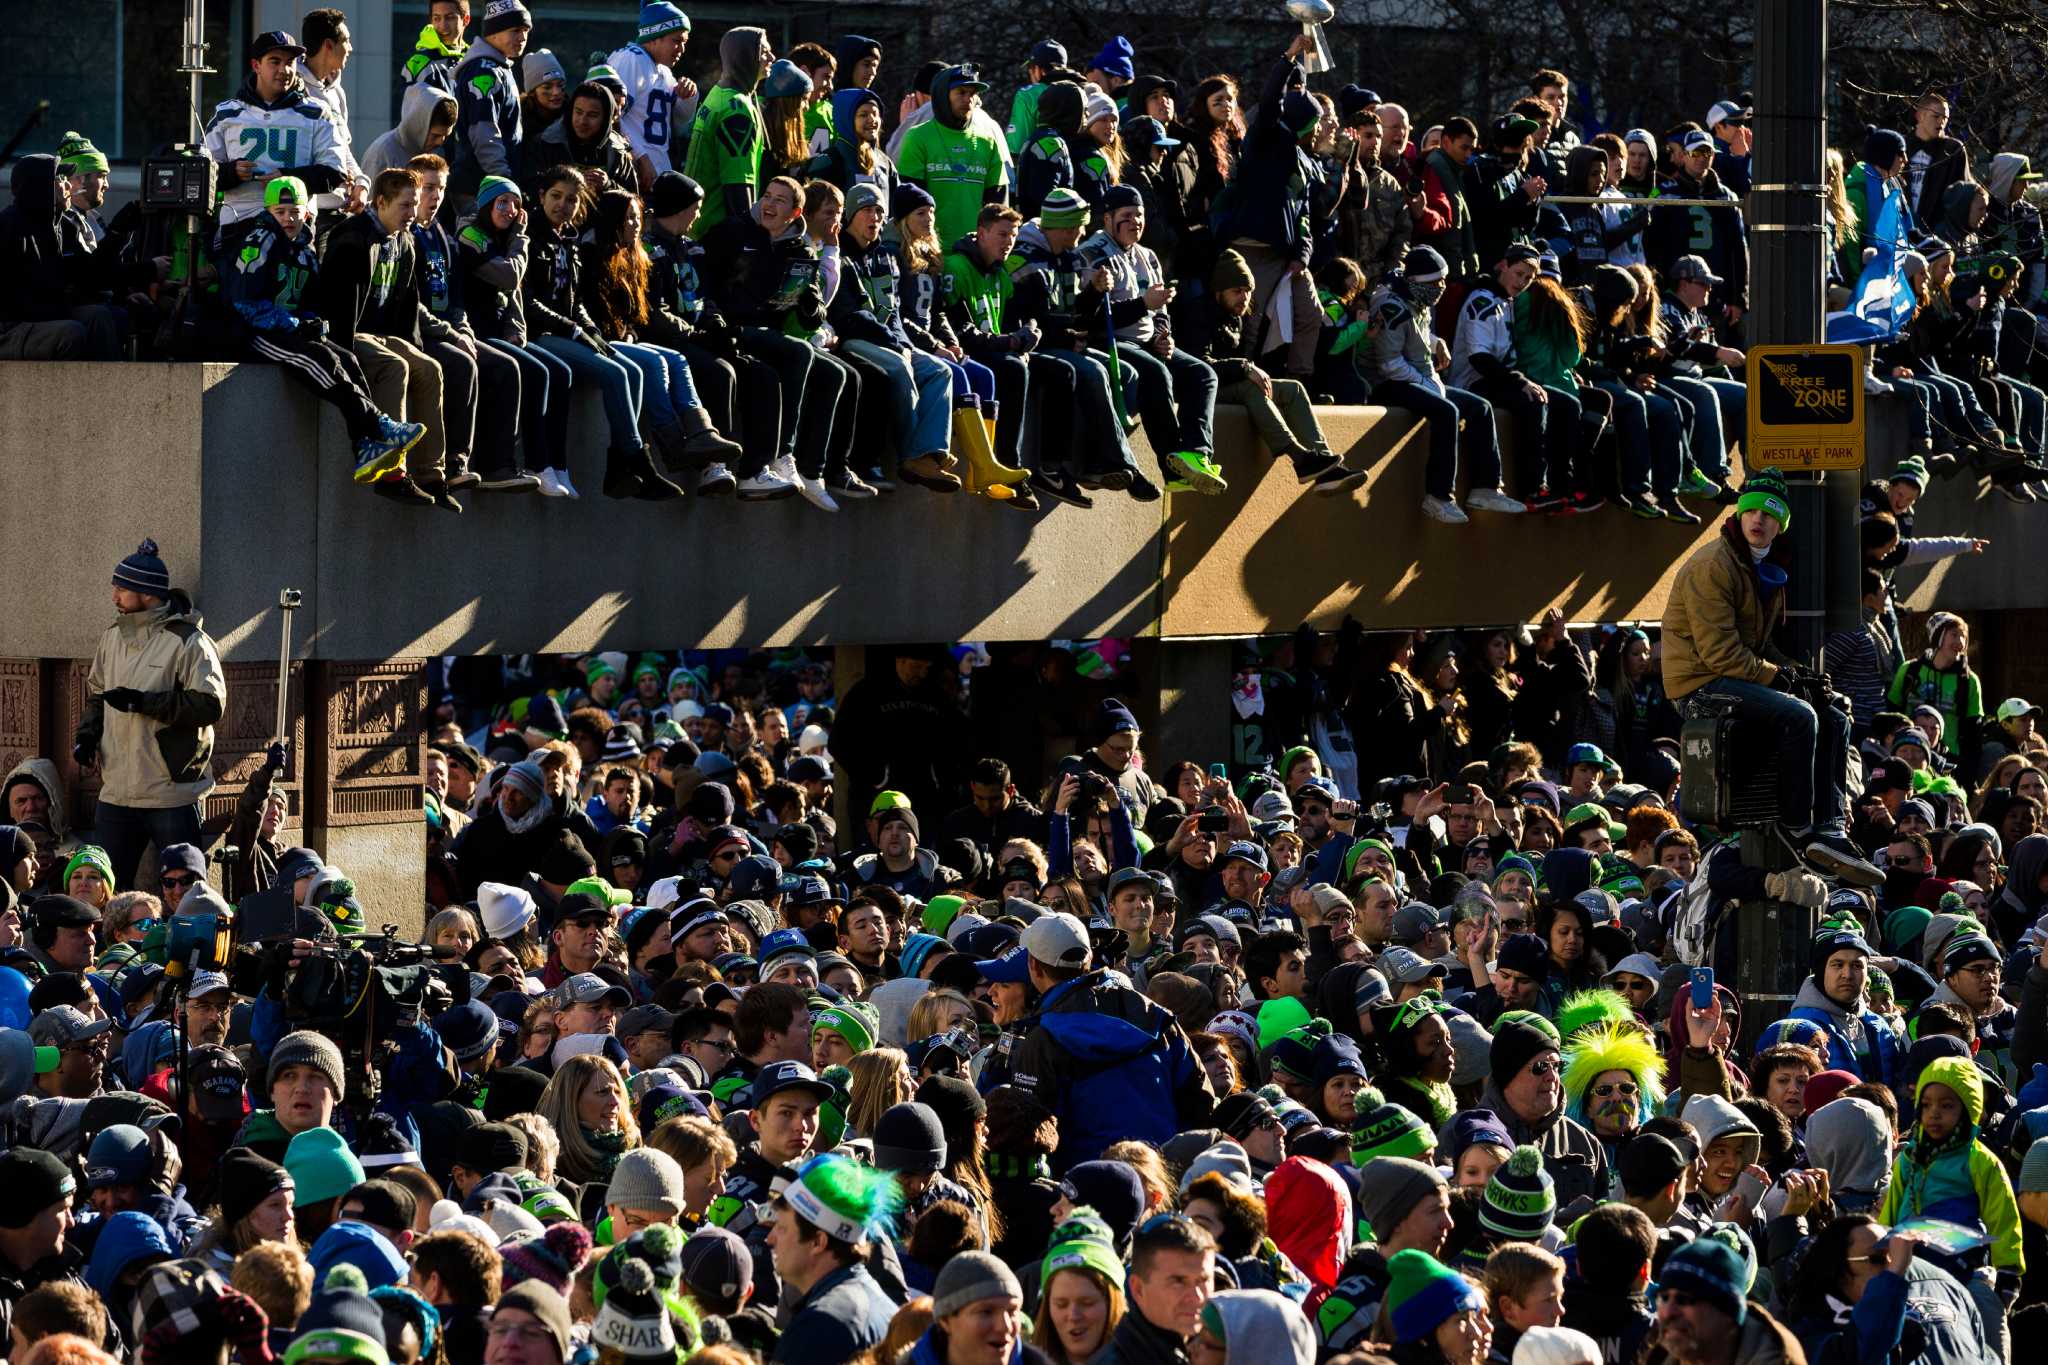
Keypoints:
(292, 133)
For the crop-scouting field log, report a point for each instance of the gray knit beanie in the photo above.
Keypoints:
(968, 1279)
(647, 1178)
(306, 1048)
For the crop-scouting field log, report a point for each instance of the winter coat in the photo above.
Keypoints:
(487, 133)
(1716, 234)
(1112, 1065)
(369, 282)
(1403, 346)
(1720, 615)
(1956, 1178)
(156, 755)
(1954, 691)
(1858, 1040)
(1373, 225)
(1268, 198)
(409, 139)
(844, 1314)
(1052, 290)
(1444, 186)
(493, 271)
(1394, 722)
(1924, 1316)
(1571, 1153)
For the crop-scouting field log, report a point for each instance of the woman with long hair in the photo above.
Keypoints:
(880, 1081)
(1838, 223)
(785, 97)
(855, 155)
(1390, 713)
(617, 272)
(940, 1011)
(1080, 1303)
(1575, 965)
(561, 325)
(1216, 127)
(587, 1105)
(923, 259)
(1098, 149)
(255, 1205)
(1551, 331)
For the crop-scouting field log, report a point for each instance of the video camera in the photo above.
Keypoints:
(183, 181)
(359, 990)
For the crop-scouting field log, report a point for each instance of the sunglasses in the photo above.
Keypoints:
(187, 880)
(1546, 1067)
(1625, 1088)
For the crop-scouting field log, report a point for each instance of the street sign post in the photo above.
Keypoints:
(1805, 407)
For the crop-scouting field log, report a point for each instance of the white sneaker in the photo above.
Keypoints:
(816, 495)
(554, 483)
(1874, 386)
(1444, 510)
(765, 487)
(1492, 500)
(783, 467)
(715, 481)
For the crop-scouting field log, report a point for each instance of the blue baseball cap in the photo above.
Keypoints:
(1011, 967)
(783, 943)
(1584, 753)
(1244, 851)
(776, 1077)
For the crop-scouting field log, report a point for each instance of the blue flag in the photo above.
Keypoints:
(1883, 298)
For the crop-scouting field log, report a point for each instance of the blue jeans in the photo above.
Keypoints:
(1647, 433)
(124, 831)
(1720, 407)
(618, 383)
(974, 384)
(1813, 752)
(665, 381)
(2032, 406)
(1444, 412)
(921, 394)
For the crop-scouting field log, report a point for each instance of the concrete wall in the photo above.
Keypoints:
(243, 481)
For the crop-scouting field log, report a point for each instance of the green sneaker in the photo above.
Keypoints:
(1697, 483)
(1176, 484)
(1198, 470)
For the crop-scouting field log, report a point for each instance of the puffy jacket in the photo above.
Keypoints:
(1111, 1065)
(1956, 1178)
(1485, 345)
(158, 754)
(1720, 615)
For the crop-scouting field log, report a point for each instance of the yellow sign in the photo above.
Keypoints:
(1805, 407)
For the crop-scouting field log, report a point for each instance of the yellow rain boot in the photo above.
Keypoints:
(982, 444)
(970, 447)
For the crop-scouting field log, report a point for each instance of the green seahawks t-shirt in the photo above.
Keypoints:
(725, 149)
(956, 166)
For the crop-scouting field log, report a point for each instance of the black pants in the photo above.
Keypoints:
(825, 427)
(460, 368)
(740, 395)
(791, 361)
(333, 374)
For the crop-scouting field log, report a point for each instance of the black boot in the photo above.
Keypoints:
(702, 444)
(621, 471)
(653, 487)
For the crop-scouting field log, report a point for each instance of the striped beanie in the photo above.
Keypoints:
(143, 572)
(1424, 1293)
(1521, 1198)
(1383, 1128)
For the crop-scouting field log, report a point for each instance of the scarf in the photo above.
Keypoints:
(606, 1148)
(529, 822)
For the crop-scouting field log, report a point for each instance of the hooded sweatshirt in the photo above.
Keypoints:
(840, 163)
(1851, 1140)
(157, 756)
(43, 772)
(126, 1239)
(293, 134)
(31, 254)
(1858, 1041)
(726, 136)
(959, 164)
(608, 151)
(1262, 1327)
(1956, 1178)
(409, 139)
(1046, 162)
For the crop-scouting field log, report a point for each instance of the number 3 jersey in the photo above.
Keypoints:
(293, 133)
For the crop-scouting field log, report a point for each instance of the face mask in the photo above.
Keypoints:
(1424, 294)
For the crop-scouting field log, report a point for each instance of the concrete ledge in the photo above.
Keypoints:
(243, 481)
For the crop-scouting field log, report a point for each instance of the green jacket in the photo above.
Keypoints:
(1958, 1179)
(1023, 117)
(981, 293)
(1954, 691)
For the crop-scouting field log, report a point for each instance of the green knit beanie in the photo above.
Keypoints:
(1383, 1128)
(76, 155)
(1063, 208)
(1423, 1293)
(1082, 1241)
(1521, 1198)
(857, 1023)
(93, 856)
(1765, 490)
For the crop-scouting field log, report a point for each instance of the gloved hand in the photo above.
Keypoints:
(122, 698)
(84, 752)
(311, 329)
(274, 757)
(1797, 887)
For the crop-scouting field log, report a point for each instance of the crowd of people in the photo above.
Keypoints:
(787, 284)
(1418, 1038)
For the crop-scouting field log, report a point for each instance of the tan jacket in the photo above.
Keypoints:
(159, 755)
(1718, 620)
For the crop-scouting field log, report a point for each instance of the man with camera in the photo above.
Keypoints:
(1727, 599)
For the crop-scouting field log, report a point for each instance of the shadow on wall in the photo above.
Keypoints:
(1265, 557)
